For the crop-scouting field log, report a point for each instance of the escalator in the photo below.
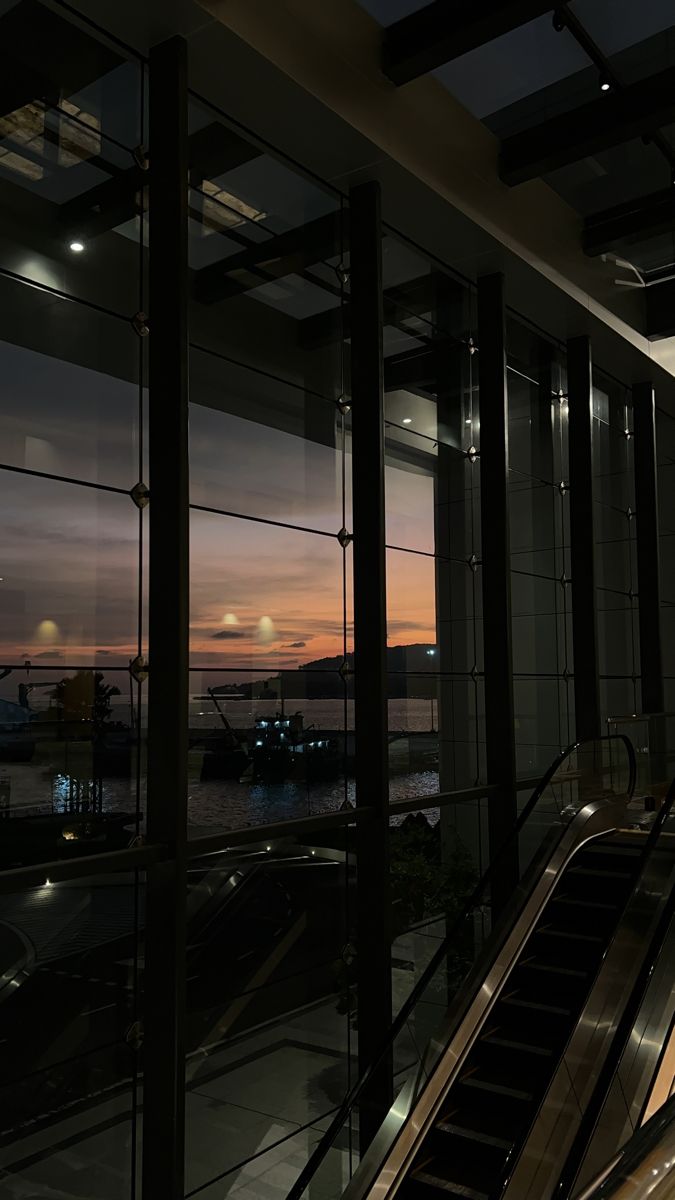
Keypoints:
(493, 1074)
(487, 1114)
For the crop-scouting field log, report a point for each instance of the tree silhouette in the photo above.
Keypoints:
(85, 696)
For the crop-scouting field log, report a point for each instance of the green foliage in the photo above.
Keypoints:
(431, 873)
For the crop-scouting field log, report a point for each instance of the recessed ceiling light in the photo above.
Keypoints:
(468, 421)
(605, 82)
(407, 420)
(77, 247)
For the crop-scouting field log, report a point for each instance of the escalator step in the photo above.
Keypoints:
(602, 873)
(580, 902)
(458, 1158)
(518, 1047)
(531, 964)
(610, 850)
(570, 935)
(444, 1186)
(536, 1006)
(486, 1113)
(495, 1088)
(474, 1135)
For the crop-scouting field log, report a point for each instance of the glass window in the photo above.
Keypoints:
(432, 496)
(541, 602)
(71, 1035)
(269, 1041)
(616, 552)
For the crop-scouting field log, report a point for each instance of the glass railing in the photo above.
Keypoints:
(586, 774)
(653, 738)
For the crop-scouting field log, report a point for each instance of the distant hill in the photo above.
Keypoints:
(412, 674)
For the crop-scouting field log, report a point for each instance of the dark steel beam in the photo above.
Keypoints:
(273, 258)
(611, 120)
(660, 310)
(216, 149)
(636, 221)
(441, 32)
(164, 986)
(496, 578)
(582, 538)
(57, 56)
(370, 649)
(136, 858)
(648, 548)
(400, 304)
(296, 827)
(104, 206)
(211, 151)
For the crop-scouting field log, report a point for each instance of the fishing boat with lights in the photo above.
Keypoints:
(282, 749)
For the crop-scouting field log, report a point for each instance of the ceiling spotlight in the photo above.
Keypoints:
(76, 246)
(407, 420)
(605, 82)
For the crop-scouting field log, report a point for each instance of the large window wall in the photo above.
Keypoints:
(248, 918)
(665, 449)
(539, 526)
(270, 520)
(432, 507)
(73, 592)
(616, 554)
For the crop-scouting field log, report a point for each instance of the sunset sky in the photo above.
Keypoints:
(262, 596)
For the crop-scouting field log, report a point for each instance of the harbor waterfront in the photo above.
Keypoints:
(60, 772)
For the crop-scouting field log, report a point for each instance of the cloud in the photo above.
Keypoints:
(294, 645)
(48, 654)
(227, 634)
(101, 653)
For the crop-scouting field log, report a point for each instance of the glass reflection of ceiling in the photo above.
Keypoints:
(295, 296)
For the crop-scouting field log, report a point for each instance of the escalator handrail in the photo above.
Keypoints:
(627, 1161)
(593, 1109)
(323, 1146)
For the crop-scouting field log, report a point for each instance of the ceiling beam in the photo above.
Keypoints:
(443, 31)
(660, 309)
(401, 302)
(275, 258)
(611, 120)
(58, 56)
(634, 221)
(212, 151)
